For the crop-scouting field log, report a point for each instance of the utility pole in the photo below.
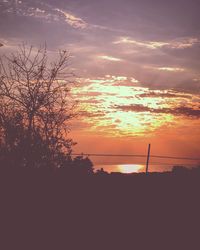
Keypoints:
(148, 156)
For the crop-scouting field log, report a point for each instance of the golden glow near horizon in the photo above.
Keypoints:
(130, 168)
(118, 106)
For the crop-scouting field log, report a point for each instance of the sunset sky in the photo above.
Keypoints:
(137, 67)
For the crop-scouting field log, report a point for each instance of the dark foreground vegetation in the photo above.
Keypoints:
(48, 209)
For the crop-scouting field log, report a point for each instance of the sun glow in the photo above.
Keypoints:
(118, 106)
(129, 168)
(102, 98)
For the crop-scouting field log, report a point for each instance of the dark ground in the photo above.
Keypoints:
(55, 211)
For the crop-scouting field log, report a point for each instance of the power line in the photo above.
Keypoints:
(175, 157)
(136, 156)
(109, 155)
(170, 164)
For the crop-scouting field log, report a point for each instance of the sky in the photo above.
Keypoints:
(136, 66)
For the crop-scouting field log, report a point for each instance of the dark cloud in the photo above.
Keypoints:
(91, 114)
(153, 94)
(91, 93)
(90, 101)
(186, 111)
(133, 107)
(177, 111)
(189, 87)
(167, 18)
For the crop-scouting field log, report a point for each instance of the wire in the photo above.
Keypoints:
(140, 156)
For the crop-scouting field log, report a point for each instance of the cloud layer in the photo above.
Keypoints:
(157, 42)
(120, 106)
(137, 62)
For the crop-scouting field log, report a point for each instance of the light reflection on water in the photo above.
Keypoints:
(121, 168)
(132, 168)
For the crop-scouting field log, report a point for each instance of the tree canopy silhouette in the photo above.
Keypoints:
(35, 107)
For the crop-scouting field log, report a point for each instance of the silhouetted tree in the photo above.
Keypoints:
(18, 152)
(35, 107)
(83, 165)
(101, 172)
(180, 169)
